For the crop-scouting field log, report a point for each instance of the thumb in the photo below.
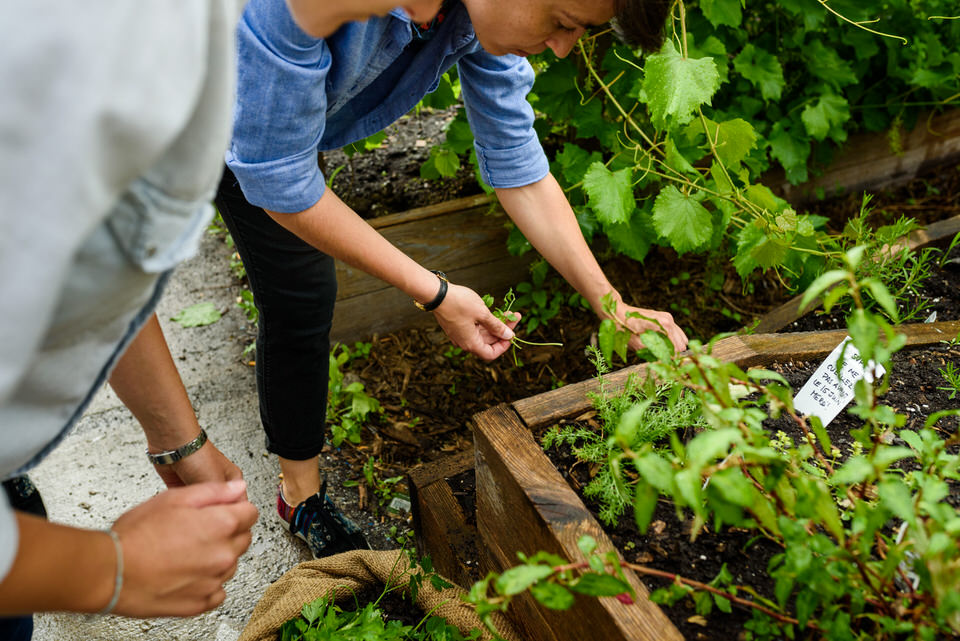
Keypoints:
(215, 493)
(496, 327)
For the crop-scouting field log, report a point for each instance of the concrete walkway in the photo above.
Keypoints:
(100, 471)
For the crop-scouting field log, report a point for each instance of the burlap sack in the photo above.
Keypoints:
(347, 574)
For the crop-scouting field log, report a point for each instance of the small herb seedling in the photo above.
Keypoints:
(505, 314)
(951, 375)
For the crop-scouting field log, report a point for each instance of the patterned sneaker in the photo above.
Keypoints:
(320, 524)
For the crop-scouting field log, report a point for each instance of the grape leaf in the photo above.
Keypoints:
(810, 10)
(724, 184)
(459, 135)
(444, 96)
(682, 220)
(744, 262)
(733, 139)
(720, 12)
(573, 162)
(675, 86)
(632, 238)
(589, 121)
(762, 69)
(825, 63)
(443, 162)
(610, 193)
(826, 117)
(791, 151)
(676, 160)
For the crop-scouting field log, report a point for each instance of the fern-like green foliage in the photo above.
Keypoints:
(628, 419)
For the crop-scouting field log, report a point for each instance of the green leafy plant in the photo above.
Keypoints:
(455, 354)
(887, 259)
(349, 407)
(505, 314)
(245, 302)
(869, 539)
(383, 488)
(672, 148)
(635, 416)
(946, 256)
(324, 620)
(613, 336)
(552, 580)
(951, 375)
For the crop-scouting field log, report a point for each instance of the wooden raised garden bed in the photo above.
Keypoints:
(867, 162)
(444, 525)
(466, 238)
(524, 504)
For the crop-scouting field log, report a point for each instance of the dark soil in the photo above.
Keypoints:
(937, 294)
(915, 391)
(387, 180)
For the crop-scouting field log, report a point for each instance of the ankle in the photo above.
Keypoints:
(293, 494)
(299, 479)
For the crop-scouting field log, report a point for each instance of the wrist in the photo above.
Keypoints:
(601, 303)
(172, 455)
(102, 568)
(116, 586)
(431, 304)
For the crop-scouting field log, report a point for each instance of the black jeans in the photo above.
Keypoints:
(294, 288)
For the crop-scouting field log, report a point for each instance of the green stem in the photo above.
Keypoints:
(516, 340)
(860, 24)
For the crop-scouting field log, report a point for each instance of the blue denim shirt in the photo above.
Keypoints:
(298, 95)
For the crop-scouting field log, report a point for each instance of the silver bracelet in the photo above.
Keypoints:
(182, 452)
(118, 582)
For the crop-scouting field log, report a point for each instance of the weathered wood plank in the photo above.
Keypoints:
(790, 311)
(748, 351)
(440, 526)
(482, 202)
(465, 238)
(388, 309)
(866, 161)
(447, 241)
(524, 505)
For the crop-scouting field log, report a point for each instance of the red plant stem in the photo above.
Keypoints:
(821, 455)
(640, 569)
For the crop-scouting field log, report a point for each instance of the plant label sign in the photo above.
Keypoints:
(826, 393)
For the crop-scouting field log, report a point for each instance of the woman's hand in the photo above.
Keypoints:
(658, 321)
(470, 324)
(206, 464)
(181, 546)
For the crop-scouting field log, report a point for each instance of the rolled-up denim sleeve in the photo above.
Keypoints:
(280, 113)
(495, 92)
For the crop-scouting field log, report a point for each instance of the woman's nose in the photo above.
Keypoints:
(562, 41)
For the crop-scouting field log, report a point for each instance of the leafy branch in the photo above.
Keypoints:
(505, 314)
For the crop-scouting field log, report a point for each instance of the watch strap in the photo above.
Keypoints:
(172, 456)
(441, 293)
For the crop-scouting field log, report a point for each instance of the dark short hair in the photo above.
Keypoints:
(640, 23)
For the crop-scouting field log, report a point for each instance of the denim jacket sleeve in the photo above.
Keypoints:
(495, 92)
(281, 81)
